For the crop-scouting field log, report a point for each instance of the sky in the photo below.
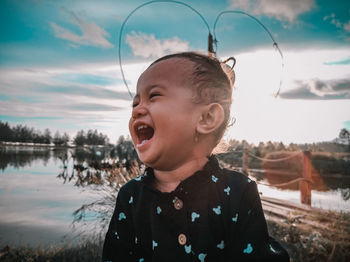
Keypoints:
(59, 65)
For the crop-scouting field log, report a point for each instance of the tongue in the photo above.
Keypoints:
(145, 134)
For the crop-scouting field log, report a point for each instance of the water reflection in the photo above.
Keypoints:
(103, 171)
(40, 188)
(327, 172)
(19, 157)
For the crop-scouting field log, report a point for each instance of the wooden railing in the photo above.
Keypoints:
(304, 180)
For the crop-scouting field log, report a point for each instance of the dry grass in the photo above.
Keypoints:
(84, 252)
(309, 234)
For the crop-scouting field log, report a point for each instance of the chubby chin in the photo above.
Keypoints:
(143, 158)
(145, 152)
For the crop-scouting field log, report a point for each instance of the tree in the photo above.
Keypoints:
(345, 135)
(47, 136)
(92, 137)
(261, 149)
(65, 139)
(280, 147)
(233, 144)
(124, 150)
(23, 134)
(293, 147)
(57, 139)
(270, 147)
(37, 138)
(6, 133)
(80, 138)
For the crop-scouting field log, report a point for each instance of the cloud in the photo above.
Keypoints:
(96, 81)
(91, 34)
(334, 21)
(345, 61)
(146, 46)
(284, 10)
(68, 98)
(76, 94)
(81, 90)
(94, 107)
(347, 26)
(316, 89)
(63, 102)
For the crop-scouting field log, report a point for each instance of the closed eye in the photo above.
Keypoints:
(135, 103)
(154, 95)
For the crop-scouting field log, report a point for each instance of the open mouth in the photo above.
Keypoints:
(144, 134)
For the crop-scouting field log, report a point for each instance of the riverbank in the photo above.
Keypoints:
(51, 145)
(308, 234)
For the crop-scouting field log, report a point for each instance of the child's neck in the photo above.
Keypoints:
(167, 181)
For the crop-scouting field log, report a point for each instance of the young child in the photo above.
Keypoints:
(185, 207)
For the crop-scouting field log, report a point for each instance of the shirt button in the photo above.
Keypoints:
(182, 239)
(178, 204)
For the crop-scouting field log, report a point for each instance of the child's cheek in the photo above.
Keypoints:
(131, 131)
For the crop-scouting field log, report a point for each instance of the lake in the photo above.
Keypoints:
(41, 188)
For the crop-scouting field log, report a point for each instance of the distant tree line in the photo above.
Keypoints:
(91, 137)
(24, 134)
(340, 144)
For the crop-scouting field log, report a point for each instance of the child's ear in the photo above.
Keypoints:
(211, 118)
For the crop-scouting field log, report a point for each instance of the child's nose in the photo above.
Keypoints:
(139, 111)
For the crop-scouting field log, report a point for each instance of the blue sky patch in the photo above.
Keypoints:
(88, 79)
(347, 124)
(16, 119)
(345, 61)
(4, 97)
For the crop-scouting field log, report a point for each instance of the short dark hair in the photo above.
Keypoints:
(211, 83)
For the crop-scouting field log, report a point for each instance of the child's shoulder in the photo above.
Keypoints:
(133, 185)
(237, 181)
(228, 175)
(235, 176)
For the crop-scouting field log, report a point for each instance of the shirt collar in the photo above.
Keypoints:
(199, 177)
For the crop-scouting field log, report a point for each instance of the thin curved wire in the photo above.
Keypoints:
(264, 27)
(275, 160)
(132, 12)
(286, 183)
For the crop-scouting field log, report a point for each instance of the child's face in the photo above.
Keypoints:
(164, 116)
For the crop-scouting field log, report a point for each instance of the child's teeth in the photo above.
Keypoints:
(142, 143)
(141, 127)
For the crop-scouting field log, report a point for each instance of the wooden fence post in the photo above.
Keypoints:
(305, 186)
(245, 161)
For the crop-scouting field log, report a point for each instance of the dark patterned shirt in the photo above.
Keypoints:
(213, 215)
